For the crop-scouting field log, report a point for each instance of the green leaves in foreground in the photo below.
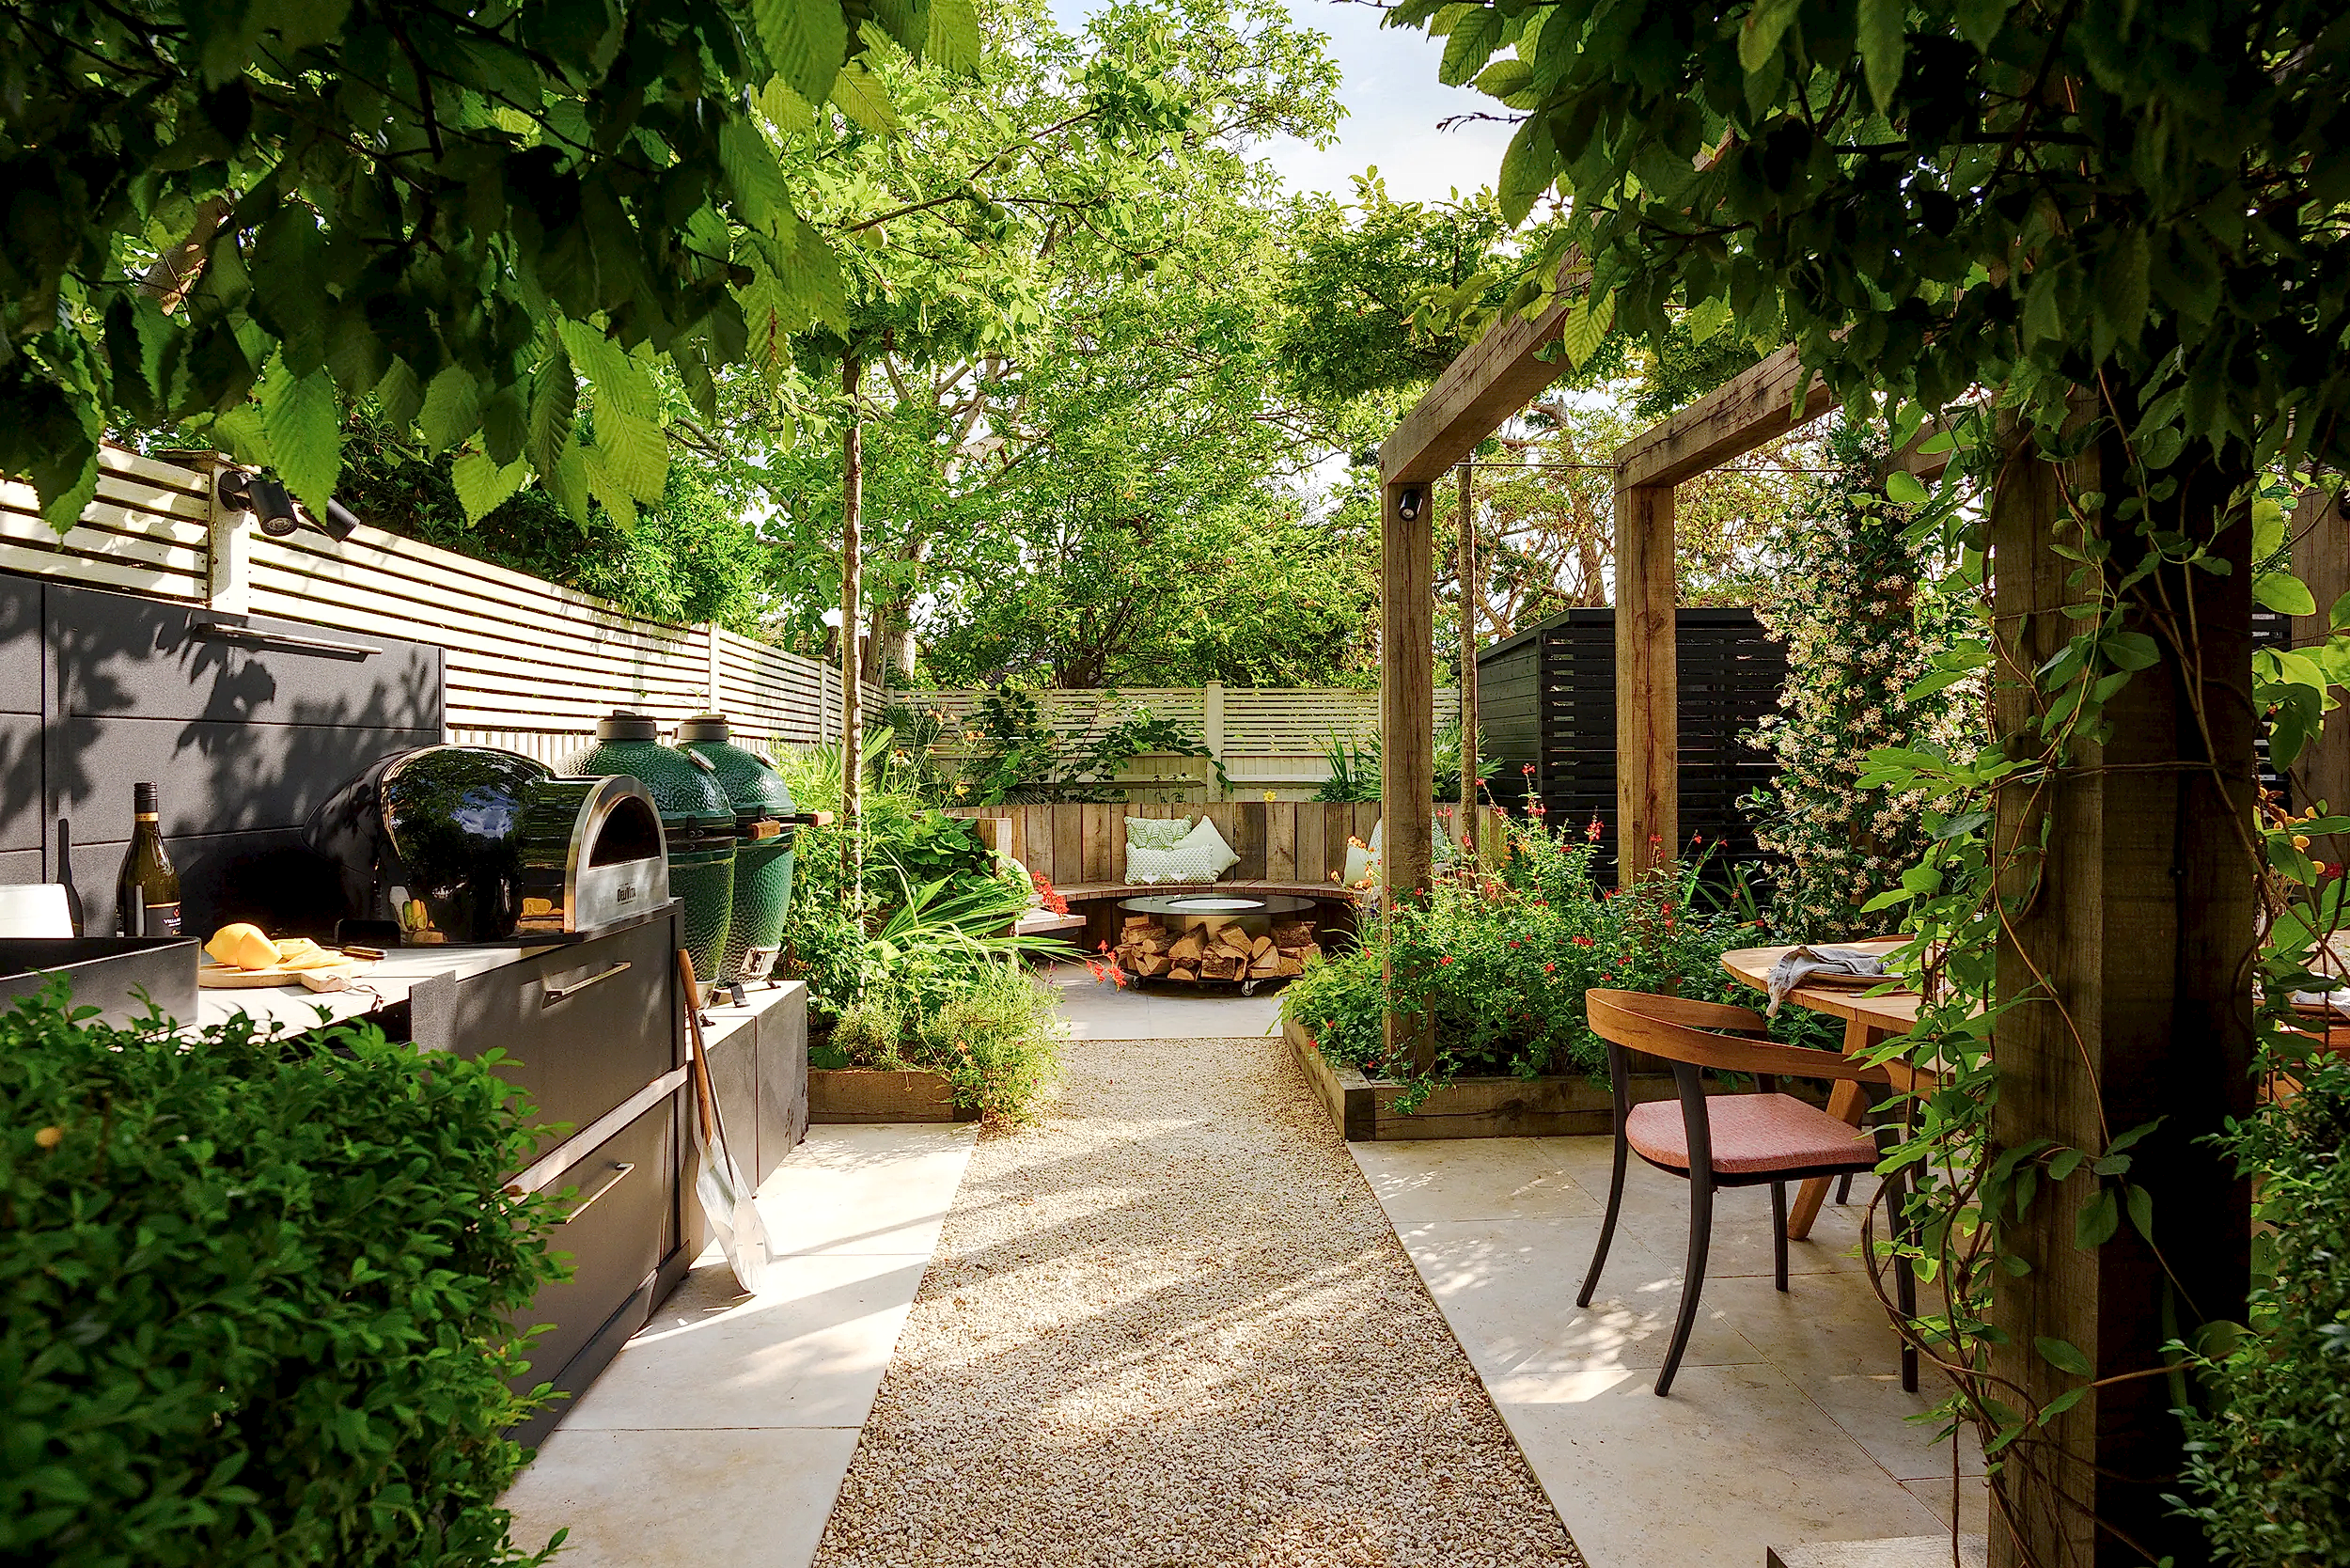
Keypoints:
(1889, 183)
(257, 1301)
(408, 204)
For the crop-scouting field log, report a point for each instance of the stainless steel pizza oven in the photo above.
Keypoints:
(470, 845)
(593, 854)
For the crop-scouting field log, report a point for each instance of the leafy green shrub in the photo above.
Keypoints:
(996, 1044)
(908, 846)
(992, 1035)
(1502, 963)
(1354, 767)
(254, 1302)
(868, 1035)
(1017, 757)
(2269, 1463)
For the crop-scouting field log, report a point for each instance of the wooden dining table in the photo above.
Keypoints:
(1868, 1020)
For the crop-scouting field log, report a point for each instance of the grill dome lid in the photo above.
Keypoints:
(749, 779)
(685, 788)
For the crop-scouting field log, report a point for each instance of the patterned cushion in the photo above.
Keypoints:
(1751, 1134)
(1202, 857)
(1157, 833)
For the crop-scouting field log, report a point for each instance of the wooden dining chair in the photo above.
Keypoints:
(1731, 1141)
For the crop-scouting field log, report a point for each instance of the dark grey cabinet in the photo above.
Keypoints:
(592, 1034)
(623, 1224)
(583, 1026)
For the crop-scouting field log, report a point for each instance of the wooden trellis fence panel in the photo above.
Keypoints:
(1267, 737)
(1282, 840)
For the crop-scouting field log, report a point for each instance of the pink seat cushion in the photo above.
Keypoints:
(1751, 1134)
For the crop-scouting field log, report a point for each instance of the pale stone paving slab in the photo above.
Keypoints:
(1171, 1325)
(719, 1434)
(1788, 1422)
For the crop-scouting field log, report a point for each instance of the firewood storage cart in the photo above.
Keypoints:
(1215, 937)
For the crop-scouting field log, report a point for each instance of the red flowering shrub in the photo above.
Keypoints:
(1053, 901)
(1503, 964)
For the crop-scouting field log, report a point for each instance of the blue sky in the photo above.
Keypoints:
(1394, 103)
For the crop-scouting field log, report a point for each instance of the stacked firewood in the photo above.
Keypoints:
(1149, 949)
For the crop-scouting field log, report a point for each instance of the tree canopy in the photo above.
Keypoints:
(1931, 197)
(449, 212)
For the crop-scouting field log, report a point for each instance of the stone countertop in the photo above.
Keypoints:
(382, 984)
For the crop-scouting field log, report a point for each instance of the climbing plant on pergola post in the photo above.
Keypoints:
(2125, 221)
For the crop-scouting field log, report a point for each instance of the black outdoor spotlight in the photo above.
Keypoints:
(262, 495)
(267, 499)
(1407, 503)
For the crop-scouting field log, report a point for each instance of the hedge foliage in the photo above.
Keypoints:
(255, 1296)
(2270, 1463)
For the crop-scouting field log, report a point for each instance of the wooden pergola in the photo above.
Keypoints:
(2131, 1000)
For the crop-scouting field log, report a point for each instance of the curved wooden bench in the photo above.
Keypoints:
(1091, 891)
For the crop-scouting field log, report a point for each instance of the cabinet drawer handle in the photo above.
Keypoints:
(618, 1172)
(554, 993)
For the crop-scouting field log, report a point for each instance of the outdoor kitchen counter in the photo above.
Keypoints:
(386, 984)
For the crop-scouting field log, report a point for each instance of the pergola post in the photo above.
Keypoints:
(1648, 682)
(2321, 558)
(1407, 722)
(2127, 999)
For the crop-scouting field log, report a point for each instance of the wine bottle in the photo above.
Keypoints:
(147, 894)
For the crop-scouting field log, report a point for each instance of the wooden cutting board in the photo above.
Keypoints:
(226, 977)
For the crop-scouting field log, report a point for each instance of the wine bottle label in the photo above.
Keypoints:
(163, 919)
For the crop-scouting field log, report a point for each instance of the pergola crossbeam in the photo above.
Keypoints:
(1755, 406)
(1494, 378)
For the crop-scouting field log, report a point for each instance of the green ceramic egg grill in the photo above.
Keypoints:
(696, 818)
(764, 830)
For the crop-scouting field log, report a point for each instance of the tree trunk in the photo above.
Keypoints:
(1471, 593)
(2126, 987)
(851, 715)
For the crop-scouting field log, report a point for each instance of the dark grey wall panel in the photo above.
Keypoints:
(20, 782)
(268, 878)
(100, 690)
(114, 653)
(20, 723)
(213, 778)
(19, 645)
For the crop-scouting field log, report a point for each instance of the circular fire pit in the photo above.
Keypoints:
(1220, 930)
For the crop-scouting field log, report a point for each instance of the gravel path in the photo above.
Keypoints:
(1171, 1327)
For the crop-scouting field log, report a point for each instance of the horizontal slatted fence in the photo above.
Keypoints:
(530, 666)
(146, 532)
(1267, 738)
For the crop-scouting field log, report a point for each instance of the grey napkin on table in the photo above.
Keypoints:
(1798, 965)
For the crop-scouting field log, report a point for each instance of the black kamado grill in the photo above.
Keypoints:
(459, 844)
(697, 819)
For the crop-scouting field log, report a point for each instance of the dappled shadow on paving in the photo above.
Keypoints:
(1172, 1327)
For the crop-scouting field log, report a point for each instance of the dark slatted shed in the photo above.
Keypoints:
(1547, 696)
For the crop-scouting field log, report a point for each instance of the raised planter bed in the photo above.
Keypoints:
(1364, 1109)
(841, 1097)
